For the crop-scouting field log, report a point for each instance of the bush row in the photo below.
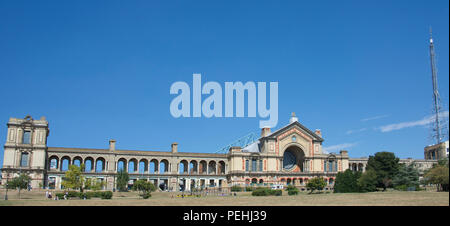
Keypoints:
(237, 188)
(266, 192)
(87, 195)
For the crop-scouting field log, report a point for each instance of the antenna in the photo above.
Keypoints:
(437, 130)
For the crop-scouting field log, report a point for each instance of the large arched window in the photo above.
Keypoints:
(121, 165)
(153, 166)
(289, 160)
(293, 159)
(53, 162)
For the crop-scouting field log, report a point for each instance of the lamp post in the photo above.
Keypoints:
(7, 181)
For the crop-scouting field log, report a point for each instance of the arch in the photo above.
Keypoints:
(183, 167)
(288, 181)
(360, 167)
(143, 166)
(306, 180)
(301, 181)
(193, 167)
(331, 181)
(293, 157)
(77, 160)
(261, 181)
(88, 164)
(53, 162)
(153, 166)
(221, 167)
(121, 165)
(247, 181)
(65, 163)
(100, 164)
(132, 165)
(212, 167)
(254, 181)
(202, 167)
(164, 166)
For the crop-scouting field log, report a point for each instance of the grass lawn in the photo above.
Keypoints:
(388, 198)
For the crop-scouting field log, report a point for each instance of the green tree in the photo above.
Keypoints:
(368, 181)
(385, 165)
(144, 188)
(439, 175)
(347, 181)
(93, 184)
(73, 178)
(122, 180)
(407, 176)
(316, 183)
(20, 182)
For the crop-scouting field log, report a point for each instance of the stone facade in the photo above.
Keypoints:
(290, 155)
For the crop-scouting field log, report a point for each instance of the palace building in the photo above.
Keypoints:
(290, 155)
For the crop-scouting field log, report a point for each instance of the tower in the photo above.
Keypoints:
(438, 128)
(26, 149)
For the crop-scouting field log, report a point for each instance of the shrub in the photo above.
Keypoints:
(106, 195)
(146, 195)
(293, 192)
(88, 195)
(316, 183)
(60, 195)
(266, 192)
(236, 188)
(248, 189)
(276, 192)
(347, 182)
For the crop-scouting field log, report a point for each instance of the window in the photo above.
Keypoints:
(253, 164)
(52, 182)
(24, 159)
(260, 165)
(53, 164)
(325, 166)
(26, 137)
(246, 165)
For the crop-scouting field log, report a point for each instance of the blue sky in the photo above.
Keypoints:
(102, 69)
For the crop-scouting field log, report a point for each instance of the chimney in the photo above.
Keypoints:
(234, 149)
(265, 131)
(318, 133)
(343, 153)
(112, 145)
(174, 147)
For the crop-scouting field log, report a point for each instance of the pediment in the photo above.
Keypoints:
(295, 127)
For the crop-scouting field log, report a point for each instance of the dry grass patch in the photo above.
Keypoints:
(389, 198)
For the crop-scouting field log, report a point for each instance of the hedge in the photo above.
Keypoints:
(266, 192)
(87, 195)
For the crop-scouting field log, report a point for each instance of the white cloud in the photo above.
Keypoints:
(337, 147)
(425, 121)
(356, 131)
(373, 118)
